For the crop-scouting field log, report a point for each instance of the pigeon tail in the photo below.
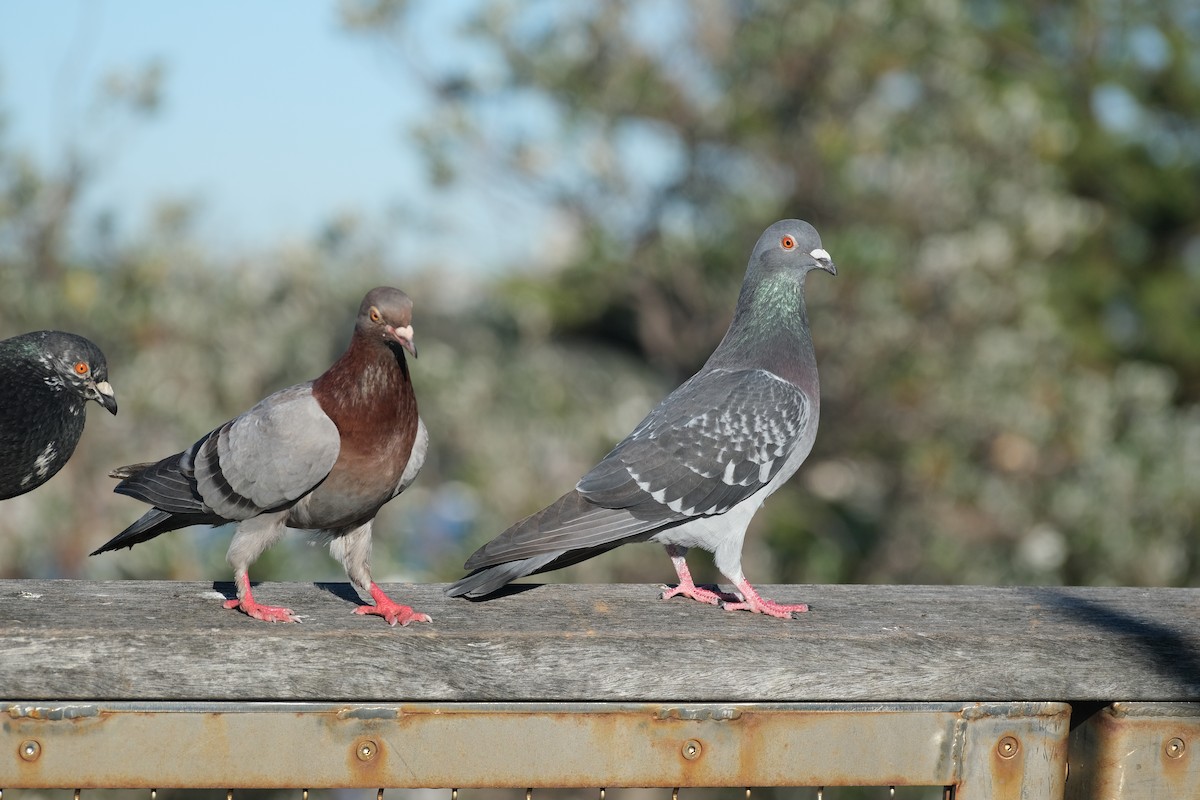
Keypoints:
(487, 580)
(154, 523)
(161, 484)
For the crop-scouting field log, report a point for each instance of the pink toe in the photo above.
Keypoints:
(692, 592)
(261, 612)
(394, 613)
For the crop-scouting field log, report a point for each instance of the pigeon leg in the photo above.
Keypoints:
(751, 601)
(390, 610)
(245, 602)
(686, 587)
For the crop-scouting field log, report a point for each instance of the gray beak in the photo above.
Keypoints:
(105, 396)
(824, 261)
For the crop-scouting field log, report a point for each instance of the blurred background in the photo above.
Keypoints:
(1010, 354)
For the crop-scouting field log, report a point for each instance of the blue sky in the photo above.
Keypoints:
(275, 121)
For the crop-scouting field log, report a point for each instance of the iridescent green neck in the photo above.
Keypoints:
(775, 300)
(769, 328)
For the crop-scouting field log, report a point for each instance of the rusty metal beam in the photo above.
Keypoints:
(1149, 751)
(314, 745)
(1010, 753)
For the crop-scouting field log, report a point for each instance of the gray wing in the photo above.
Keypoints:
(266, 458)
(712, 443)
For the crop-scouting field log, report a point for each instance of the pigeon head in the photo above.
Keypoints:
(791, 244)
(77, 365)
(386, 316)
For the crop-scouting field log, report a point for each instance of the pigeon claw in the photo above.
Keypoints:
(395, 613)
(264, 613)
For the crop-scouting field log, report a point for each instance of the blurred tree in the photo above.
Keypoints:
(189, 339)
(1011, 352)
(193, 338)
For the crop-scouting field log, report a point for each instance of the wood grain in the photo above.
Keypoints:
(133, 640)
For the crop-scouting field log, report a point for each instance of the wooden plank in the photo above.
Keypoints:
(133, 640)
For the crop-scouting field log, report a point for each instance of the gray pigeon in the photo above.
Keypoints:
(48, 377)
(322, 456)
(697, 468)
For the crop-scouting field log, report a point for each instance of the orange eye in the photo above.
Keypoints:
(81, 368)
(787, 243)
(375, 315)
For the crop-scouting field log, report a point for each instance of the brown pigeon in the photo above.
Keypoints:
(696, 469)
(322, 456)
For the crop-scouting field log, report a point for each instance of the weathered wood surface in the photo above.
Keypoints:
(173, 641)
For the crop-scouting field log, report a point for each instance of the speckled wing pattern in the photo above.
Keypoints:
(712, 443)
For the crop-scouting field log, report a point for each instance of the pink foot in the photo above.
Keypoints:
(686, 587)
(245, 602)
(752, 602)
(390, 610)
(689, 589)
(265, 613)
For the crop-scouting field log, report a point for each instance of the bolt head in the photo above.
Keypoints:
(1007, 747)
(691, 749)
(366, 750)
(30, 749)
(1175, 747)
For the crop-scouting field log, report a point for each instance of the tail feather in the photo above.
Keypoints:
(162, 484)
(569, 530)
(486, 580)
(154, 523)
(129, 470)
(571, 523)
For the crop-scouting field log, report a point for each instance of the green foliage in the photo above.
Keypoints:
(1010, 353)
(1011, 350)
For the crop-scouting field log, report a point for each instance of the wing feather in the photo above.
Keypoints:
(712, 443)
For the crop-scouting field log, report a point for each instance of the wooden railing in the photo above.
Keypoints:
(978, 691)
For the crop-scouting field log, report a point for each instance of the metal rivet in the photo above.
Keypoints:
(366, 749)
(691, 749)
(1175, 747)
(31, 749)
(1008, 747)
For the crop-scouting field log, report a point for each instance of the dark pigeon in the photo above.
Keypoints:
(695, 470)
(46, 379)
(322, 456)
